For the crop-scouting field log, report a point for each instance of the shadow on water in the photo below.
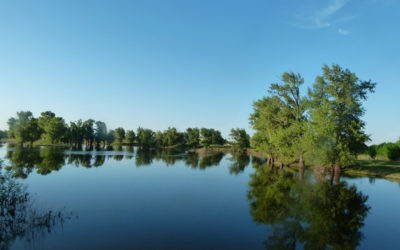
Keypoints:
(306, 213)
(18, 216)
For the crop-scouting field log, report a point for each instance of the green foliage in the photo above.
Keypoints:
(88, 131)
(76, 133)
(336, 111)
(192, 137)
(3, 134)
(130, 136)
(172, 137)
(241, 140)
(54, 128)
(372, 151)
(210, 136)
(145, 137)
(119, 134)
(100, 132)
(389, 150)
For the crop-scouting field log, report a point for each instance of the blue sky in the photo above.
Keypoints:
(190, 63)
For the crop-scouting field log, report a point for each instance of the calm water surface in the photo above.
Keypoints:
(131, 198)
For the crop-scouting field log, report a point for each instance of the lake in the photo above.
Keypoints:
(132, 198)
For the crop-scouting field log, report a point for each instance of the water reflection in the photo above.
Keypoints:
(306, 213)
(22, 161)
(18, 216)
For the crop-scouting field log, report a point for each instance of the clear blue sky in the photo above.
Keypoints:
(190, 63)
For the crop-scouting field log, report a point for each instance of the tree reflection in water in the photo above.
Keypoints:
(302, 213)
(47, 159)
(19, 218)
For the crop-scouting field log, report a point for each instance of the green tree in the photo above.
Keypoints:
(145, 137)
(192, 137)
(159, 139)
(372, 151)
(100, 133)
(206, 137)
(3, 134)
(294, 108)
(16, 126)
(241, 140)
(130, 136)
(110, 137)
(119, 135)
(76, 133)
(54, 128)
(172, 137)
(89, 132)
(336, 111)
(269, 119)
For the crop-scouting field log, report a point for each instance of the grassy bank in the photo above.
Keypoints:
(375, 168)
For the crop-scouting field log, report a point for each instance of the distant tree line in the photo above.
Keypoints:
(49, 128)
(388, 150)
(324, 126)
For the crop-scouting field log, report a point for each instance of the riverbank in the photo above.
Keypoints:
(375, 168)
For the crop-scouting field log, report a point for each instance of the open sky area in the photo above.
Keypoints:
(190, 63)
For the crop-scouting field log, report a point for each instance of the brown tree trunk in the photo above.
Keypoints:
(337, 172)
(332, 175)
(301, 173)
(281, 165)
(301, 161)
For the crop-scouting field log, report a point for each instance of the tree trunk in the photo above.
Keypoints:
(332, 175)
(301, 161)
(281, 165)
(337, 172)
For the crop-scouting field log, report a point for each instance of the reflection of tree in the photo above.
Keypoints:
(99, 160)
(192, 159)
(80, 160)
(18, 218)
(22, 161)
(144, 157)
(212, 160)
(240, 162)
(52, 159)
(313, 215)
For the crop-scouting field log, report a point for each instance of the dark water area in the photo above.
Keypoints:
(130, 198)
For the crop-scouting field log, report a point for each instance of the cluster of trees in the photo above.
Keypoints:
(324, 126)
(52, 129)
(388, 150)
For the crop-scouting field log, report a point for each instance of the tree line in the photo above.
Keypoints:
(53, 129)
(324, 126)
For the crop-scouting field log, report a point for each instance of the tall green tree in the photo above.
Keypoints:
(119, 135)
(192, 137)
(145, 137)
(269, 118)
(89, 132)
(241, 140)
(54, 128)
(294, 108)
(76, 133)
(130, 136)
(172, 137)
(206, 137)
(16, 124)
(100, 133)
(335, 111)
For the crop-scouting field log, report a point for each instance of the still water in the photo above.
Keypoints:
(136, 199)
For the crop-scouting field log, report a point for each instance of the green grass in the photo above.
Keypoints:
(375, 168)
